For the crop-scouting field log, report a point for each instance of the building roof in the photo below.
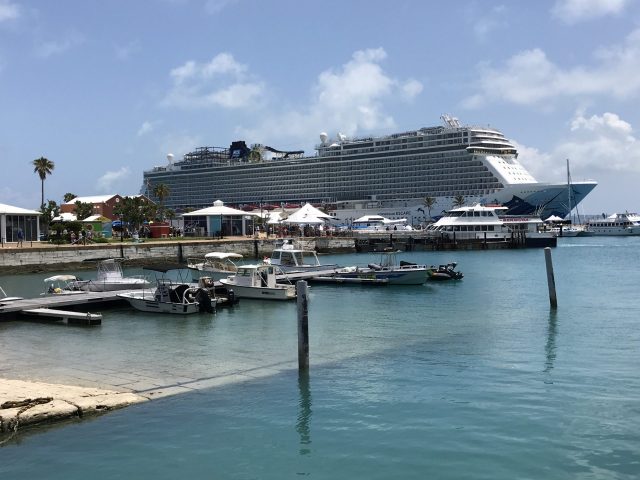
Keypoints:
(65, 217)
(11, 210)
(96, 218)
(91, 199)
(218, 209)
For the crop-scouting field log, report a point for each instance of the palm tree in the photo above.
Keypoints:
(69, 196)
(43, 167)
(458, 201)
(161, 191)
(429, 202)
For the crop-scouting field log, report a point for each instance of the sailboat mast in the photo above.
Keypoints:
(569, 188)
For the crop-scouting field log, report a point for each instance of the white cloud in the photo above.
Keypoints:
(108, 182)
(57, 47)
(574, 11)
(599, 144)
(239, 95)
(349, 99)
(484, 22)
(222, 82)
(146, 127)
(8, 11)
(602, 144)
(530, 78)
(213, 7)
(411, 88)
(125, 52)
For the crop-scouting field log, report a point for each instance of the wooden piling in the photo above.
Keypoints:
(303, 325)
(553, 300)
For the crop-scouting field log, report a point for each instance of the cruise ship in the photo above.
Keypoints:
(415, 175)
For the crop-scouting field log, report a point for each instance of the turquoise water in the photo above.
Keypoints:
(476, 379)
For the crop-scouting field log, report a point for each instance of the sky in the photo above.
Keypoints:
(107, 88)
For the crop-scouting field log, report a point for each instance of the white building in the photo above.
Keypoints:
(15, 219)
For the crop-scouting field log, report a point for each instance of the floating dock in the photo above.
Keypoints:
(61, 307)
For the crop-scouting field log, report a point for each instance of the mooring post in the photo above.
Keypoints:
(550, 278)
(303, 325)
(180, 255)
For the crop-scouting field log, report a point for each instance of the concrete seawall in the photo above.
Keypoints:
(47, 257)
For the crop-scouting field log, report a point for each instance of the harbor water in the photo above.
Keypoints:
(475, 379)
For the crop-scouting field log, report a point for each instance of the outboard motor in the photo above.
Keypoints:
(204, 302)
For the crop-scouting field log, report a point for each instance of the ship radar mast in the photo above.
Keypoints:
(450, 121)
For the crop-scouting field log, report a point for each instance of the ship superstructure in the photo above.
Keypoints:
(389, 175)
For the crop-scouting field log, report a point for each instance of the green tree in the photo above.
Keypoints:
(49, 211)
(429, 202)
(134, 211)
(255, 155)
(458, 201)
(161, 192)
(83, 210)
(69, 196)
(43, 167)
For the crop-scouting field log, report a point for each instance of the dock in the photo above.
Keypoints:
(62, 307)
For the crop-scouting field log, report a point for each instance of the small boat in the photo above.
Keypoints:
(346, 275)
(178, 298)
(216, 265)
(444, 272)
(258, 281)
(387, 271)
(62, 285)
(110, 277)
(292, 257)
(6, 298)
(379, 224)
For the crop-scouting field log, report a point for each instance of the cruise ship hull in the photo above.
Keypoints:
(542, 199)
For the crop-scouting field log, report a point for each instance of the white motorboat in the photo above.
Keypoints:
(258, 281)
(110, 277)
(388, 271)
(568, 230)
(6, 298)
(215, 265)
(178, 298)
(62, 285)
(380, 224)
(291, 257)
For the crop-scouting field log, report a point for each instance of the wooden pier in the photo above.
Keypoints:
(61, 307)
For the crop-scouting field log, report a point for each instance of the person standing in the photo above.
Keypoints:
(20, 237)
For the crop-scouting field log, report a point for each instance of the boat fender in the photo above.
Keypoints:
(232, 297)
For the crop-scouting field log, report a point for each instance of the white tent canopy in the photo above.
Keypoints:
(218, 209)
(308, 214)
(554, 218)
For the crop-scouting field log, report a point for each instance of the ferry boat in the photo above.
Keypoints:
(490, 223)
(392, 175)
(618, 224)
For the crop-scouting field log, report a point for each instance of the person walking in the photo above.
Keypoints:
(20, 237)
